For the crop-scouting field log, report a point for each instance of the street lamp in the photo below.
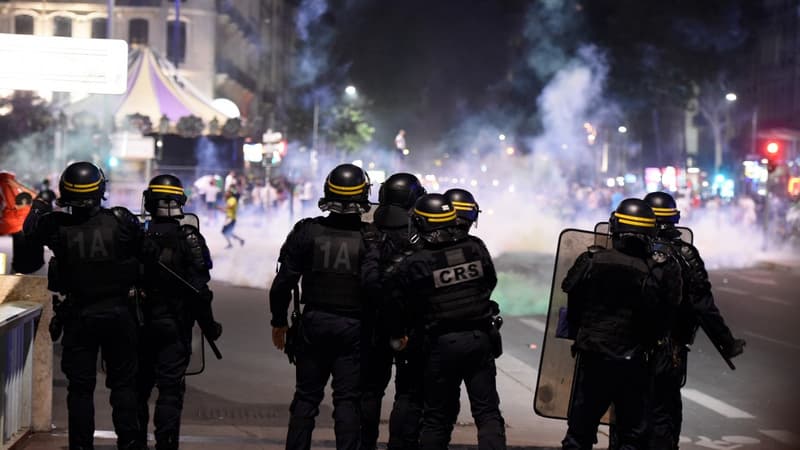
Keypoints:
(351, 91)
(622, 129)
(731, 97)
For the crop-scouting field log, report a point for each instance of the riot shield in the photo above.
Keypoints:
(557, 366)
(197, 362)
(604, 238)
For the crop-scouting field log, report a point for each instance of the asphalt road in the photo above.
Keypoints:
(242, 401)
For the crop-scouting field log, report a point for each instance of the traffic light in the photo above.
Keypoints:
(773, 154)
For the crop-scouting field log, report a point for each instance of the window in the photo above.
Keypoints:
(176, 50)
(137, 31)
(99, 28)
(62, 26)
(23, 24)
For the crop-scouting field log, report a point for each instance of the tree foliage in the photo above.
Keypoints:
(349, 129)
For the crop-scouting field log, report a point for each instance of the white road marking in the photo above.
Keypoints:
(774, 341)
(518, 370)
(782, 436)
(718, 406)
(756, 279)
(773, 300)
(730, 290)
(533, 323)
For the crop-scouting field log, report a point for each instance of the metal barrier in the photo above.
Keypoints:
(17, 331)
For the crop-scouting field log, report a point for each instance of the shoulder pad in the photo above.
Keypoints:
(124, 216)
(304, 222)
(187, 230)
(688, 249)
(198, 249)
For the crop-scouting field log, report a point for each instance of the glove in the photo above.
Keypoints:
(214, 331)
(735, 348)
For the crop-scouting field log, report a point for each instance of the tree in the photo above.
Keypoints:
(349, 129)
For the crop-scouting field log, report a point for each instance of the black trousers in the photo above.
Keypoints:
(599, 382)
(405, 420)
(330, 348)
(455, 357)
(376, 372)
(666, 410)
(164, 352)
(107, 327)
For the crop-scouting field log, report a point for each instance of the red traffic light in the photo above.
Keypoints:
(773, 148)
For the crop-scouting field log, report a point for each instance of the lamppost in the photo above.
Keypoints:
(350, 91)
(623, 163)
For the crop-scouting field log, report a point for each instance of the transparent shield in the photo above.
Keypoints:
(557, 366)
(601, 228)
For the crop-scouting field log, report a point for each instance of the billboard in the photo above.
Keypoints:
(61, 64)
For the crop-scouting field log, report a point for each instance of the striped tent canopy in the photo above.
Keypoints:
(154, 90)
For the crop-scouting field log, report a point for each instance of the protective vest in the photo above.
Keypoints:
(161, 284)
(93, 263)
(614, 320)
(334, 278)
(460, 293)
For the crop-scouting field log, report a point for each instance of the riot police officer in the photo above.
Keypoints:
(170, 308)
(467, 208)
(325, 255)
(698, 308)
(619, 303)
(396, 196)
(445, 284)
(96, 250)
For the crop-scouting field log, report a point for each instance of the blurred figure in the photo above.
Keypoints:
(210, 193)
(231, 208)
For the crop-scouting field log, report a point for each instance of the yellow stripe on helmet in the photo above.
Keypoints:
(437, 217)
(665, 211)
(637, 224)
(641, 221)
(165, 188)
(464, 206)
(82, 188)
(347, 190)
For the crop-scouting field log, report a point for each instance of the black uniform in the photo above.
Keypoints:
(670, 363)
(95, 249)
(170, 310)
(619, 306)
(445, 285)
(376, 365)
(325, 254)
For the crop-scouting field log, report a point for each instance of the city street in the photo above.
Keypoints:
(242, 401)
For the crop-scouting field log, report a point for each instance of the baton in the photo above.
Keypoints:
(197, 292)
(716, 345)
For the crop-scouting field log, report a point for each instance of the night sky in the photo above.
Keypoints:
(427, 66)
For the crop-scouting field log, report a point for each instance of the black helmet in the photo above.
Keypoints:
(346, 190)
(82, 185)
(664, 207)
(433, 212)
(467, 208)
(397, 195)
(633, 216)
(401, 189)
(164, 196)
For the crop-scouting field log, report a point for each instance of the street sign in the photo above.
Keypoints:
(61, 64)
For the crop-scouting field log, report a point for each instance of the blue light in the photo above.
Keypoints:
(719, 178)
(113, 161)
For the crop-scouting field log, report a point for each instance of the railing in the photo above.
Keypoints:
(17, 330)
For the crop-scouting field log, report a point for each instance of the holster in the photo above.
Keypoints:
(496, 339)
(293, 337)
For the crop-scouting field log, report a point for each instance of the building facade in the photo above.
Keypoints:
(234, 49)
